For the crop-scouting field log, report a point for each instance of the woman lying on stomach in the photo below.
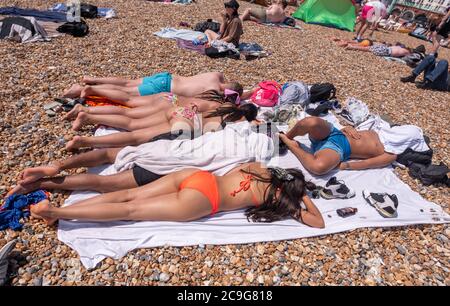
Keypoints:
(271, 194)
(142, 130)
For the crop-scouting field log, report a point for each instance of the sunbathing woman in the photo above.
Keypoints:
(397, 50)
(271, 194)
(148, 115)
(344, 43)
(182, 118)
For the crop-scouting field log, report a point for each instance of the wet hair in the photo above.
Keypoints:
(236, 87)
(233, 113)
(216, 96)
(287, 203)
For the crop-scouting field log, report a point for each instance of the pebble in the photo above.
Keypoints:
(163, 277)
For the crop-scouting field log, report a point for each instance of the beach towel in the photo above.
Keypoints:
(104, 12)
(172, 33)
(94, 241)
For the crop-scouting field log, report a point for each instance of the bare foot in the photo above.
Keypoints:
(23, 189)
(88, 80)
(43, 210)
(75, 143)
(74, 112)
(31, 175)
(86, 92)
(73, 92)
(80, 121)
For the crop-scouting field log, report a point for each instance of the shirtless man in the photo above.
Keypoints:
(157, 83)
(273, 14)
(333, 148)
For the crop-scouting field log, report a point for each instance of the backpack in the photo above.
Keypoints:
(322, 91)
(294, 93)
(431, 174)
(207, 25)
(77, 29)
(267, 94)
(88, 10)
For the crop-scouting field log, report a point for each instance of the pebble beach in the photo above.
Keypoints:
(35, 73)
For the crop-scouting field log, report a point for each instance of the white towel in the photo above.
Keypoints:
(95, 241)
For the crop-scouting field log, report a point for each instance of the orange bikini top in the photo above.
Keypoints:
(244, 186)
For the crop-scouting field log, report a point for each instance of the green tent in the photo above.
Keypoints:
(340, 14)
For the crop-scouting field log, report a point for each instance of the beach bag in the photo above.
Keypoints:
(321, 92)
(267, 94)
(431, 174)
(77, 29)
(88, 10)
(207, 25)
(294, 93)
(413, 157)
(213, 52)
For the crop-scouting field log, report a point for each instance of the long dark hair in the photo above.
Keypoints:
(287, 204)
(233, 113)
(216, 96)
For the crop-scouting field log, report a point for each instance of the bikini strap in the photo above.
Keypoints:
(244, 186)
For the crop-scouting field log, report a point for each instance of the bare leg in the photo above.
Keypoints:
(246, 15)
(211, 35)
(112, 80)
(118, 139)
(88, 159)
(119, 121)
(436, 42)
(94, 182)
(322, 161)
(73, 92)
(186, 205)
(358, 48)
(117, 93)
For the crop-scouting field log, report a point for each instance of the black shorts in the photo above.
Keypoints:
(143, 177)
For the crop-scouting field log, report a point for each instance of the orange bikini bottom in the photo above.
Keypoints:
(206, 183)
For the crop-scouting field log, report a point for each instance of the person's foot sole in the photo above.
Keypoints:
(74, 112)
(42, 210)
(73, 92)
(33, 174)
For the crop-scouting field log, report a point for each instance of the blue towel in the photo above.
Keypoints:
(12, 210)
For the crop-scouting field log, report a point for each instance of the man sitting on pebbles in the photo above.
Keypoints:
(113, 87)
(273, 14)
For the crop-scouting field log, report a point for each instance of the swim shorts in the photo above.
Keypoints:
(144, 177)
(380, 50)
(157, 83)
(336, 141)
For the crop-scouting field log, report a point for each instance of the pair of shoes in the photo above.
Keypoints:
(335, 189)
(385, 204)
(408, 79)
(4, 252)
(425, 85)
(346, 116)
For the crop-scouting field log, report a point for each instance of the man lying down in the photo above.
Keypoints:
(375, 145)
(180, 180)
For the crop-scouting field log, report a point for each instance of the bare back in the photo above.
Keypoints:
(231, 182)
(397, 51)
(197, 84)
(275, 13)
(368, 146)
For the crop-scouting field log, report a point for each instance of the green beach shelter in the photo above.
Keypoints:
(339, 14)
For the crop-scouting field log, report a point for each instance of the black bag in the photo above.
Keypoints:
(431, 174)
(214, 53)
(88, 10)
(322, 92)
(207, 25)
(410, 156)
(77, 29)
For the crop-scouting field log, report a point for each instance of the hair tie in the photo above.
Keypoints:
(282, 174)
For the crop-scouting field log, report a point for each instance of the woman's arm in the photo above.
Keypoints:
(370, 163)
(311, 216)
